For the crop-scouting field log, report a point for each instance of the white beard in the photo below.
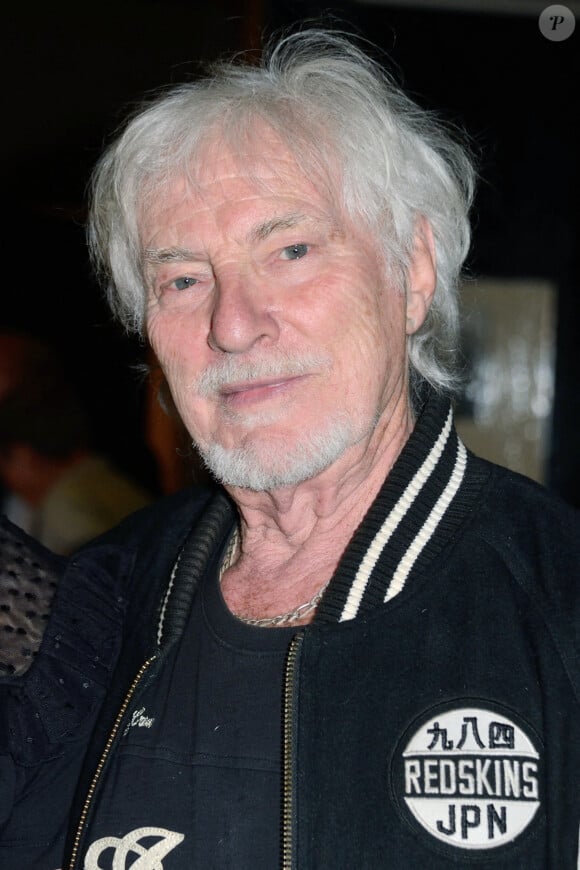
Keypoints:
(268, 464)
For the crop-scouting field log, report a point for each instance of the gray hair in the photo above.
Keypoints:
(332, 104)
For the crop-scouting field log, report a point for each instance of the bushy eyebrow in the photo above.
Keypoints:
(262, 231)
(158, 256)
(286, 222)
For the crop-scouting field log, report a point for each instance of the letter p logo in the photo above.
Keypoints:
(557, 23)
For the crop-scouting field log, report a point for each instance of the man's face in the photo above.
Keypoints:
(269, 310)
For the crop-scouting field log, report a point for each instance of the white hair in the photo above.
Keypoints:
(333, 106)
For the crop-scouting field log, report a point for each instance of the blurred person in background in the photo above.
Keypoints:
(56, 486)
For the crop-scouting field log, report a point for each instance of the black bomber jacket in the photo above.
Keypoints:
(432, 709)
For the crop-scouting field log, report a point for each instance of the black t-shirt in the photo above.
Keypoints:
(237, 733)
(196, 779)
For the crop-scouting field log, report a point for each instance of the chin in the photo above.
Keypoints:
(266, 464)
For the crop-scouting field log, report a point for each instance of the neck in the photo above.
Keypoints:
(300, 533)
(295, 515)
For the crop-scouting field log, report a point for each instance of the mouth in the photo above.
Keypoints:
(236, 395)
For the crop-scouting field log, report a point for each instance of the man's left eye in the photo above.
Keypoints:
(294, 252)
(185, 282)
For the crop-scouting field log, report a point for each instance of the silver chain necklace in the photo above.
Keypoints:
(286, 618)
(290, 616)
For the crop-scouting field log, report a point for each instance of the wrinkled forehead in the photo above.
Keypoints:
(255, 145)
(261, 161)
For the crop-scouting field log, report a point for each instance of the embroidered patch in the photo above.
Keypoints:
(139, 720)
(142, 849)
(469, 776)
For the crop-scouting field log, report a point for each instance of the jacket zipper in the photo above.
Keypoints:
(105, 754)
(289, 740)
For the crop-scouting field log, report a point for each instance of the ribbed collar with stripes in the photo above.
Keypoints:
(425, 497)
(422, 501)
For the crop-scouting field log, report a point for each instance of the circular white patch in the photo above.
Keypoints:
(471, 778)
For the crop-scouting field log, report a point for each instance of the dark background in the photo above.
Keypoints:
(71, 72)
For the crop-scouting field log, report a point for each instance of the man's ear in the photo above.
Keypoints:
(422, 276)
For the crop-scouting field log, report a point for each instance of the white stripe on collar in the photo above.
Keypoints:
(429, 526)
(393, 520)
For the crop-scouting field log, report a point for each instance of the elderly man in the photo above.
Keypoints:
(361, 649)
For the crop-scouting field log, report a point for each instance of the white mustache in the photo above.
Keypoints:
(232, 370)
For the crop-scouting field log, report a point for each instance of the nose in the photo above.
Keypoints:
(241, 315)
